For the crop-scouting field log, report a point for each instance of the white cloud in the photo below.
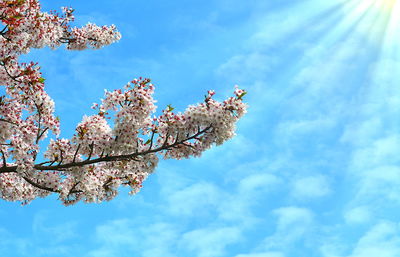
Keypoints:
(241, 67)
(362, 132)
(374, 167)
(292, 225)
(264, 254)
(42, 243)
(258, 183)
(210, 242)
(236, 148)
(311, 187)
(116, 233)
(331, 249)
(382, 182)
(12, 245)
(42, 223)
(194, 199)
(358, 215)
(287, 131)
(252, 191)
(123, 237)
(383, 151)
(291, 217)
(381, 240)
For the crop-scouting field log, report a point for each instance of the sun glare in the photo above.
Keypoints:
(388, 5)
(378, 19)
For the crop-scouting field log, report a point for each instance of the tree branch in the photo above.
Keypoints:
(9, 74)
(109, 158)
(4, 159)
(40, 186)
(76, 152)
(151, 139)
(7, 121)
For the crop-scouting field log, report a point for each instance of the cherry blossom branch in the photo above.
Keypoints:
(2, 63)
(7, 121)
(4, 159)
(40, 166)
(120, 157)
(109, 158)
(76, 153)
(3, 31)
(37, 185)
(151, 139)
(66, 40)
(39, 132)
(98, 158)
(8, 169)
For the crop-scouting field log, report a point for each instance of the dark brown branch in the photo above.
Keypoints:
(73, 191)
(40, 186)
(39, 122)
(42, 163)
(61, 157)
(151, 139)
(177, 137)
(166, 139)
(91, 150)
(8, 169)
(188, 145)
(102, 153)
(9, 74)
(3, 31)
(4, 159)
(41, 134)
(109, 158)
(7, 121)
(76, 152)
(67, 40)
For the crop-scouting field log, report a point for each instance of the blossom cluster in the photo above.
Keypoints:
(120, 145)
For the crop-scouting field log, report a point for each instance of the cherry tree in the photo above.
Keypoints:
(120, 145)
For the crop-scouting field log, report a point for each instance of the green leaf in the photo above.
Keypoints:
(243, 94)
(170, 108)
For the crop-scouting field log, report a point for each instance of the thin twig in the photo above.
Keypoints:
(7, 121)
(62, 157)
(91, 150)
(151, 139)
(4, 158)
(40, 186)
(76, 152)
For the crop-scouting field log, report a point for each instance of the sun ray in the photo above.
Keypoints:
(332, 29)
(390, 44)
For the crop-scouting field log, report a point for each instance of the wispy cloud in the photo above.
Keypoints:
(210, 242)
(263, 254)
(311, 187)
(293, 223)
(358, 215)
(123, 237)
(381, 240)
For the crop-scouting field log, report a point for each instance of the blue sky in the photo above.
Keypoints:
(314, 169)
